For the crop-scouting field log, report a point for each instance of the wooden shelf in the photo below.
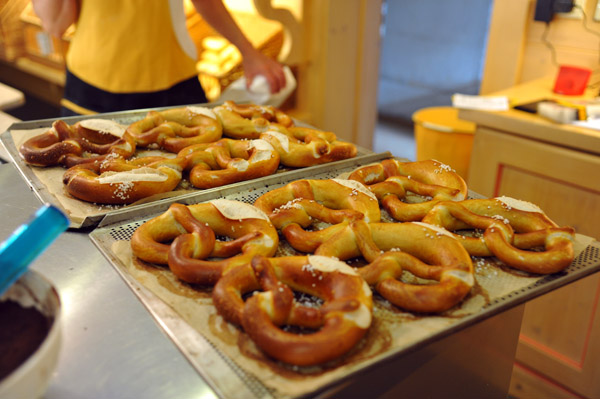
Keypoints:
(36, 79)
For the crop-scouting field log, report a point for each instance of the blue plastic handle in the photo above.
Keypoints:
(28, 241)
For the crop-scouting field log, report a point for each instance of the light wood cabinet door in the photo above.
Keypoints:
(559, 344)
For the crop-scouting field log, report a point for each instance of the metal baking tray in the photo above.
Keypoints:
(125, 118)
(230, 378)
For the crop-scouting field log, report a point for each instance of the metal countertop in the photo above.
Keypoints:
(111, 347)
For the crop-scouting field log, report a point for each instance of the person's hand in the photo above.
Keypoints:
(256, 63)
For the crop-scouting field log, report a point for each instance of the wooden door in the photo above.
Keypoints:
(559, 345)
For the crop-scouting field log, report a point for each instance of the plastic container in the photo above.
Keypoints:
(571, 80)
(441, 135)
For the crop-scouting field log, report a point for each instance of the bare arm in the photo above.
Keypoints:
(254, 62)
(56, 15)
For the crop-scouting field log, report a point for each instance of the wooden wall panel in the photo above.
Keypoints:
(560, 333)
(516, 52)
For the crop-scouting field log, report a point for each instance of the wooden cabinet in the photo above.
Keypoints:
(557, 167)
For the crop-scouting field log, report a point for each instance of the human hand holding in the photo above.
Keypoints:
(256, 63)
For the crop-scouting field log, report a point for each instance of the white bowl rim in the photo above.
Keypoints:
(51, 337)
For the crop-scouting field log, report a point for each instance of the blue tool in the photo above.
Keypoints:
(28, 241)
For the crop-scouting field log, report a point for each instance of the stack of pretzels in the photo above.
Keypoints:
(209, 147)
(402, 225)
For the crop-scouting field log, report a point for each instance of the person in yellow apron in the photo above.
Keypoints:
(137, 54)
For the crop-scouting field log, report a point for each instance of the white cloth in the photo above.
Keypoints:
(259, 91)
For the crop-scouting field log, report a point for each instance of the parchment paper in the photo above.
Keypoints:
(392, 330)
(77, 210)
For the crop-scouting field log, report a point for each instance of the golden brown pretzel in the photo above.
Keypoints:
(513, 232)
(119, 182)
(248, 121)
(301, 146)
(298, 205)
(177, 128)
(180, 237)
(345, 314)
(425, 251)
(391, 181)
(229, 161)
(90, 140)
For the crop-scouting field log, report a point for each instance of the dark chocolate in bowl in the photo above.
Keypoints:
(22, 331)
(29, 336)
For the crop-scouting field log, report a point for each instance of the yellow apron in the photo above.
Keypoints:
(125, 46)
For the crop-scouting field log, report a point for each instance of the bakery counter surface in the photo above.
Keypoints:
(111, 347)
(114, 348)
(531, 126)
(556, 166)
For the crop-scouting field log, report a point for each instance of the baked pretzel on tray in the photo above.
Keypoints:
(119, 182)
(248, 121)
(415, 266)
(302, 146)
(89, 140)
(392, 182)
(340, 322)
(299, 207)
(177, 128)
(189, 239)
(516, 232)
(229, 161)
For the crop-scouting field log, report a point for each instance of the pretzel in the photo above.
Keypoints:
(513, 232)
(120, 182)
(392, 181)
(90, 140)
(177, 128)
(425, 251)
(301, 146)
(185, 239)
(248, 121)
(229, 161)
(298, 205)
(341, 321)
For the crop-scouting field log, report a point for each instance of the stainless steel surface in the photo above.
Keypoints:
(111, 347)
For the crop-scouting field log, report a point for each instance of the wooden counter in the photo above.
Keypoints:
(556, 166)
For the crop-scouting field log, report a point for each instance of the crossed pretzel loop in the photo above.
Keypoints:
(340, 322)
(302, 146)
(186, 239)
(84, 142)
(118, 182)
(514, 232)
(177, 128)
(298, 206)
(248, 121)
(441, 269)
(393, 181)
(229, 161)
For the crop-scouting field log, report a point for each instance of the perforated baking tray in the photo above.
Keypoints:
(230, 374)
(99, 212)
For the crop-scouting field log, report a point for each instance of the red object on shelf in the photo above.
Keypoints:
(571, 81)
